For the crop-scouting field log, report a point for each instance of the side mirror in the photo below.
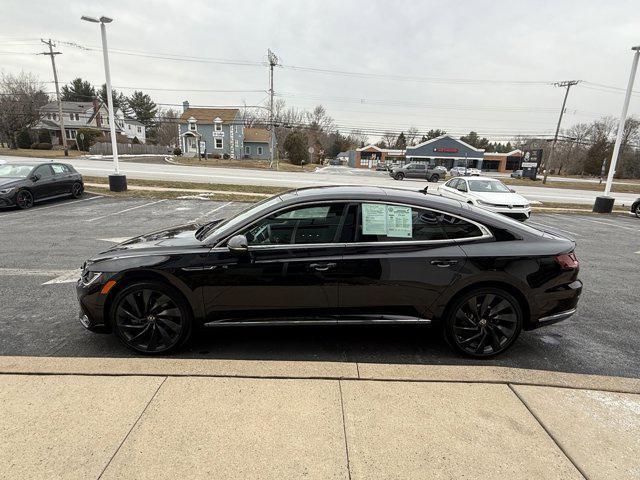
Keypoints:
(35, 177)
(238, 244)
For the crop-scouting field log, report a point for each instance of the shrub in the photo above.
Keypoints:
(44, 136)
(177, 151)
(216, 156)
(90, 137)
(42, 146)
(23, 139)
(226, 156)
(135, 141)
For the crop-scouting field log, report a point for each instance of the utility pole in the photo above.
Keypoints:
(53, 54)
(567, 84)
(273, 61)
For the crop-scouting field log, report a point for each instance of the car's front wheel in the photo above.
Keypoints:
(151, 318)
(434, 178)
(399, 176)
(637, 210)
(24, 199)
(483, 322)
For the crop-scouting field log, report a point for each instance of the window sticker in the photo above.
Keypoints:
(399, 221)
(374, 219)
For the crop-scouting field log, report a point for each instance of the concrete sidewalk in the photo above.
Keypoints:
(165, 418)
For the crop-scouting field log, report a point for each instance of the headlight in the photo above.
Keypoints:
(7, 190)
(89, 278)
(486, 204)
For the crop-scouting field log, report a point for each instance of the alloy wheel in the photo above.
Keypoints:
(24, 199)
(486, 324)
(76, 189)
(638, 211)
(149, 320)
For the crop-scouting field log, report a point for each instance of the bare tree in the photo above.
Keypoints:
(21, 97)
(358, 138)
(167, 129)
(411, 136)
(389, 139)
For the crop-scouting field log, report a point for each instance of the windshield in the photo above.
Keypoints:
(487, 186)
(215, 229)
(15, 171)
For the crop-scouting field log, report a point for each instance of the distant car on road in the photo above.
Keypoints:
(418, 170)
(462, 172)
(516, 174)
(488, 193)
(25, 183)
(334, 170)
(335, 255)
(635, 208)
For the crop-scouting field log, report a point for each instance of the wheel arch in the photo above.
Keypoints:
(509, 288)
(139, 276)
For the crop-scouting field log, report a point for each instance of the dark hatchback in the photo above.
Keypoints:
(336, 255)
(25, 183)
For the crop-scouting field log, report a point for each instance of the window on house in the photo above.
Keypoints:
(71, 134)
(260, 150)
(139, 129)
(192, 126)
(218, 127)
(235, 143)
(218, 143)
(247, 150)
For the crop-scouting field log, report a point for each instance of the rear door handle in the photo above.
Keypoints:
(322, 267)
(443, 263)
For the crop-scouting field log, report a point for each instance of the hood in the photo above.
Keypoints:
(6, 182)
(178, 236)
(506, 198)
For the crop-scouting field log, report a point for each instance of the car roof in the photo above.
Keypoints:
(31, 163)
(480, 178)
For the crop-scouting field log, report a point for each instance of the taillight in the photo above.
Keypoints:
(568, 261)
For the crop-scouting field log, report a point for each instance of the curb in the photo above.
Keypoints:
(276, 369)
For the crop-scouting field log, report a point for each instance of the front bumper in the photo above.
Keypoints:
(92, 303)
(8, 200)
(518, 213)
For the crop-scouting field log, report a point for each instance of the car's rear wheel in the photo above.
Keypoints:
(151, 318)
(24, 199)
(399, 176)
(483, 322)
(637, 210)
(434, 178)
(77, 189)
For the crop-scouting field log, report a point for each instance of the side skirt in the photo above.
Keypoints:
(345, 320)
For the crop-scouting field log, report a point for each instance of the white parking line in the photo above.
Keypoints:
(34, 210)
(204, 215)
(60, 276)
(125, 210)
(611, 224)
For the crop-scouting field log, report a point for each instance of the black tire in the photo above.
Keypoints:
(24, 199)
(434, 178)
(399, 176)
(637, 210)
(151, 318)
(483, 322)
(77, 189)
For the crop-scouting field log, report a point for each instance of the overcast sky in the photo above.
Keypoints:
(414, 56)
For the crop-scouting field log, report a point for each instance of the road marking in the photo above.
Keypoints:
(211, 212)
(114, 240)
(555, 228)
(125, 210)
(51, 206)
(611, 224)
(60, 276)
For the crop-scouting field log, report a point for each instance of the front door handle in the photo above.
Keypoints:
(443, 263)
(322, 267)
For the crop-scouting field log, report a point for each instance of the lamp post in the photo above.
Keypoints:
(117, 181)
(604, 203)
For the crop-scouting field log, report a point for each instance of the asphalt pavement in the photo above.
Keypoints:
(243, 176)
(41, 250)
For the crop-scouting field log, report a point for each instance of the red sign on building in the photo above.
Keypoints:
(445, 150)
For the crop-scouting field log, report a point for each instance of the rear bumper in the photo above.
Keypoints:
(556, 305)
(555, 318)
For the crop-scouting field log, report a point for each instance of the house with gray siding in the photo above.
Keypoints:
(220, 132)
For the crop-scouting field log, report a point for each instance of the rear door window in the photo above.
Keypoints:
(44, 171)
(457, 228)
(59, 169)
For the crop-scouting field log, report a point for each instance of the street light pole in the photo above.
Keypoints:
(273, 61)
(604, 204)
(117, 181)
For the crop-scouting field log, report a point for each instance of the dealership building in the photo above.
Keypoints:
(446, 151)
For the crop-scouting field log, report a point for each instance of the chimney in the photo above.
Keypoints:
(185, 106)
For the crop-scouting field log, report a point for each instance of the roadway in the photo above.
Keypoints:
(240, 176)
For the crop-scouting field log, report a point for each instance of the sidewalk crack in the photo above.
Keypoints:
(132, 427)
(344, 430)
(548, 432)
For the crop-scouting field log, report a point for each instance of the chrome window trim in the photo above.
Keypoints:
(486, 234)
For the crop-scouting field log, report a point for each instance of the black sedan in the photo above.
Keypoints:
(336, 255)
(23, 184)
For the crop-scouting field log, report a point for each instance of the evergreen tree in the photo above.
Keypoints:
(142, 107)
(295, 146)
(401, 142)
(78, 91)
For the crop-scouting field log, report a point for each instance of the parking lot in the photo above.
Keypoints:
(41, 249)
